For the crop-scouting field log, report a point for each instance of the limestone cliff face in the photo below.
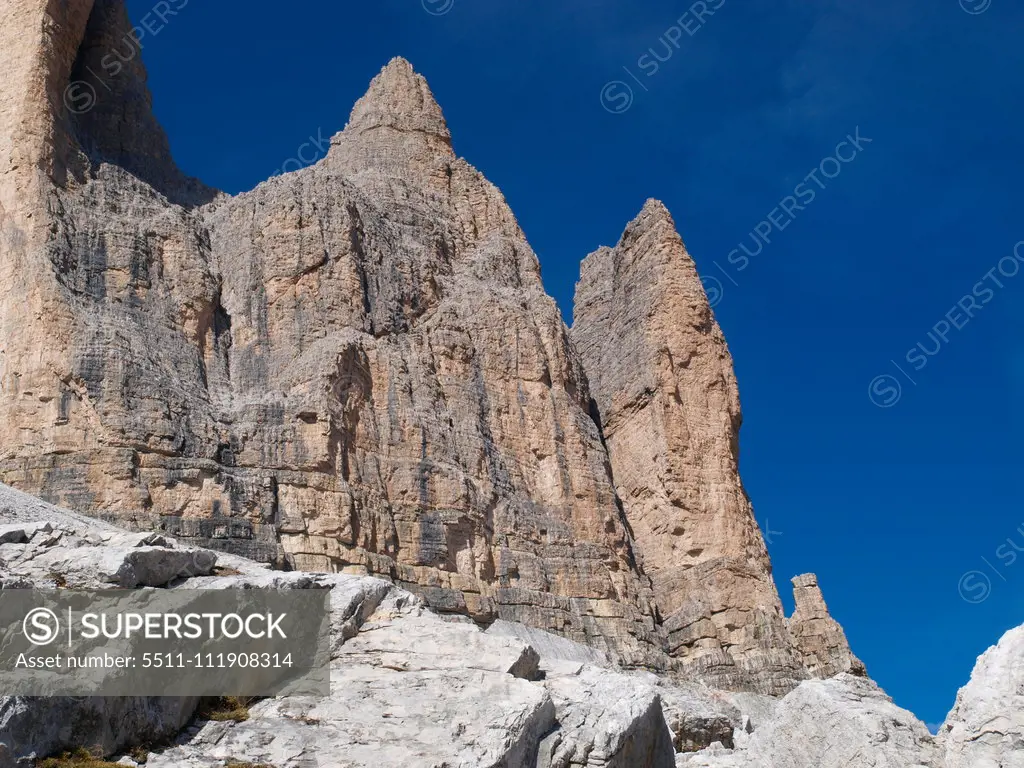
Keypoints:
(394, 357)
(663, 384)
(355, 367)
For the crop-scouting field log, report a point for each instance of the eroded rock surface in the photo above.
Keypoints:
(697, 715)
(838, 723)
(52, 555)
(350, 368)
(37, 727)
(355, 368)
(415, 689)
(550, 647)
(43, 547)
(664, 388)
(985, 729)
(818, 637)
(606, 719)
(409, 688)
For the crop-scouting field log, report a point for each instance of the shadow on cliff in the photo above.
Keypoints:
(110, 117)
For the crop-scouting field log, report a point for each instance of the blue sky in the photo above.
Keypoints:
(894, 507)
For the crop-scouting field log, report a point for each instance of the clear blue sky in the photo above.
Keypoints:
(890, 506)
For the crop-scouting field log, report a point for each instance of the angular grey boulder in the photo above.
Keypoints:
(550, 647)
(839, 723)
(407, 689)
(75, 556)
(606, 719)
(22, 533)
(36, 727)
(986, 727)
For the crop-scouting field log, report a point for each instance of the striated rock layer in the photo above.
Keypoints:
(819, 638)
(355, 368)
(414, 689)
(351, 367)
(666, 396)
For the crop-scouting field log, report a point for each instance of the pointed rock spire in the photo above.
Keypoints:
(817, 636)
(656, 211)
(399, 98)
(654, 225)
(662, 379)
(653, 216)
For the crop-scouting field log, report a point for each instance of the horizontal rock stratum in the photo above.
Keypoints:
(355, 368)
(411, 689)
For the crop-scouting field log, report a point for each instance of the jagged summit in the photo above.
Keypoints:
(396, 132)
(662, 380)
(655, 220)
(655, 208)
(356, 367)
(400, 99)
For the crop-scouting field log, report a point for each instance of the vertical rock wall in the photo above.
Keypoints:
(355, 367)
(664, 388)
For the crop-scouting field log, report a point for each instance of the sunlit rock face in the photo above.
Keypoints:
(985, 729)
(667, 400)
(355, 368)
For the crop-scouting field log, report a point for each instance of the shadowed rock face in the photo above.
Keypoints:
(355, 368)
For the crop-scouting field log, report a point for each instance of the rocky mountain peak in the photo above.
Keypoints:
(654, 211)
(399, 99)
(354, 370)
(355, 367)
(652, 250)
(662, 380)
(654, 221)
